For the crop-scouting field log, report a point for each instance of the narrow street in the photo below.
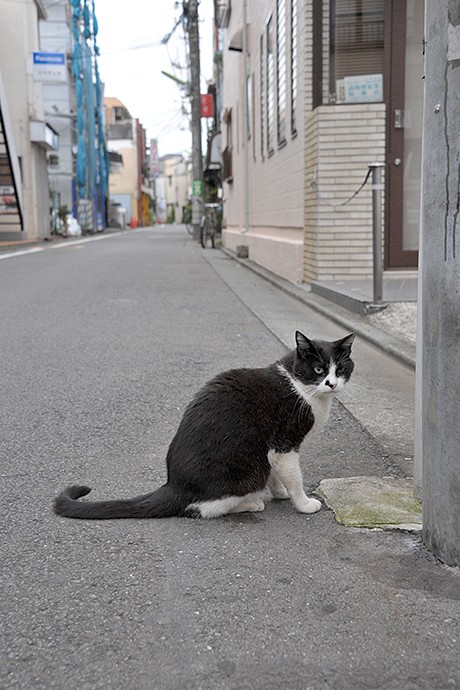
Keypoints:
(103, 343)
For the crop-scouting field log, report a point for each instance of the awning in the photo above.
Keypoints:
(236, 41)
(44, 135)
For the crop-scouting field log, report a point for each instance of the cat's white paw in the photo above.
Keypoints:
(256, 506)
(308, 505)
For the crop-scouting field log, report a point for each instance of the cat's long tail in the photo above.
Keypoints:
(163, 502)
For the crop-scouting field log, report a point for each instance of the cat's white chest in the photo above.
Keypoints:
(320, 404)
(321, 408)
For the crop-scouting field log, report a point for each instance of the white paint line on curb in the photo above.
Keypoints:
(72, 243)
(21, 252)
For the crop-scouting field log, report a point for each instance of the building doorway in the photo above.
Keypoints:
(375, 54)
(403, 93)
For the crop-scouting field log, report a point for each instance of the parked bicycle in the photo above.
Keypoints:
(208, 225)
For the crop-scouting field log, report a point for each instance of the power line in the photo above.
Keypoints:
(140, 46)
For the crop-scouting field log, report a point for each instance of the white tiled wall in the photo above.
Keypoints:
(340, 143)
(291, 231)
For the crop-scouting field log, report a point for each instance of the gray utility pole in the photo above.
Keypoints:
(191, 11)
(438, 398)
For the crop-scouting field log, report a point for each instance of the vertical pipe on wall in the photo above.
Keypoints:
(245, 118)
(377, 239)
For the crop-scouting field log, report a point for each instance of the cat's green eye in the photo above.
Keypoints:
(318, 369)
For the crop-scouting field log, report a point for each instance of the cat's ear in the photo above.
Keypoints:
(347, 342)
(304, 345)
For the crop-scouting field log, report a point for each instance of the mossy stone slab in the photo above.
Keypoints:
(373, 502)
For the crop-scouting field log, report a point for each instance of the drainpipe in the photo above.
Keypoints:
(245, 119)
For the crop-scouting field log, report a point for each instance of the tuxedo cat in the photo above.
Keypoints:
(240, 434)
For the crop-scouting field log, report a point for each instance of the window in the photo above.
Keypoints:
(227, 173)
(237, 132)
(253, 114)
(119, 114)
(249, 97)
(356, 34)
(294, 66)
(53, 160)
(229, 129)
(281, 70)
(270, 87)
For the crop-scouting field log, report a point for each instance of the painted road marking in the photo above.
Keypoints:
(21, 252)
(72, 243)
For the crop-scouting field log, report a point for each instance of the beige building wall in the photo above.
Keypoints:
(303, 225)
(124, 180)
(182, 185)
(177, 185)
(276, 181)
(171, 169)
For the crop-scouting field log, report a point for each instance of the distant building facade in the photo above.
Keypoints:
(129, 185)
(25, 134)
(52, 142)
(174, 182)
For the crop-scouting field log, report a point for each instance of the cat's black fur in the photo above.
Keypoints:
(220, 448)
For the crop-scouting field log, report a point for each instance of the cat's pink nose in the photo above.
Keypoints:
(331, 385)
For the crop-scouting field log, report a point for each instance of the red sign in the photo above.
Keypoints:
(207, 105)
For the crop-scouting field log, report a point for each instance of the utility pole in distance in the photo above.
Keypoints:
(191, 12)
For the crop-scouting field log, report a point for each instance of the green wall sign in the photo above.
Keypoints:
(197, 188)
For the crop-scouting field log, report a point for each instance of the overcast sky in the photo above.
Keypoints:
(132, 58)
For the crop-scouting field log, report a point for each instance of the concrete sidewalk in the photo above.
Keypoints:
(393, 330)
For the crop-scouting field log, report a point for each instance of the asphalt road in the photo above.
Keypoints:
(102, 345)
